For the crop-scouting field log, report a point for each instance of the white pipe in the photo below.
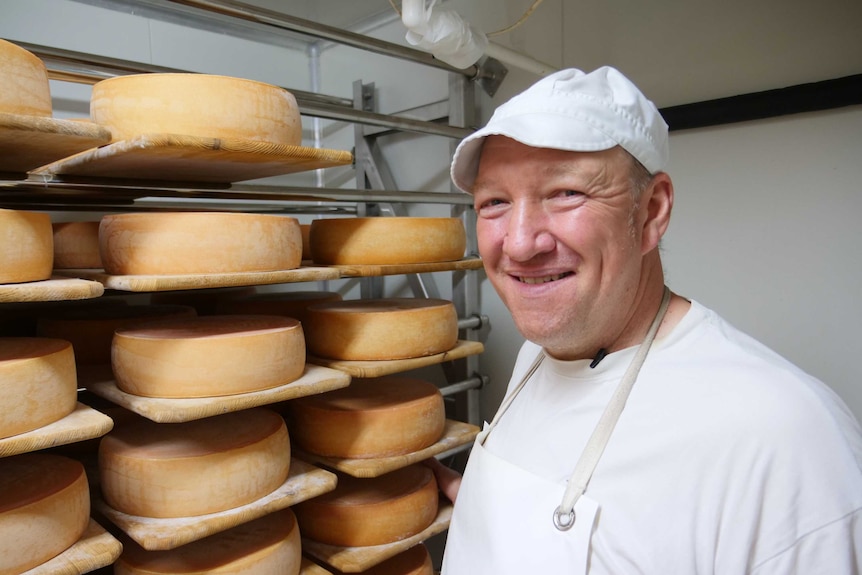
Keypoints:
(518, 60)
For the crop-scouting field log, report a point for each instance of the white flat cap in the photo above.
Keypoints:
(575, 111)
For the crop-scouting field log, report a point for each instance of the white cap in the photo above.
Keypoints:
(571, 110)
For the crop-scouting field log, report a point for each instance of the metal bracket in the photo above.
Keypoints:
(491, 74)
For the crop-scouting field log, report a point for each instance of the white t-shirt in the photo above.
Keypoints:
(727, 459)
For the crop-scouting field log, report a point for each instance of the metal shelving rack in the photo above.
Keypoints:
(376, 192)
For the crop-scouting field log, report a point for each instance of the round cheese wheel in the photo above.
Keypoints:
(289, 304)
(44, 509)
(198, 243)
(373, 511)
(414, 561)
(188, 469)
(38, 383)
(379, 417)
(208, 356)
(76, 245)
(205, 301)
(269, 545)
(381, 329)
(386, 240)
(91, 329)
(200, 105)
(26, 246)
(25, 82)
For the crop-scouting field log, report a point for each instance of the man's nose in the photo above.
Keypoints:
(528, 233)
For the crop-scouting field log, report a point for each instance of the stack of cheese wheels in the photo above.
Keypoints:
(208, 356)
(38, 383)
(26, 246)
(25, 82)
(44, 509)
(199, 105)
(381, 329)
(371, 511)
(194, 468)
(91, 330)
(290, 304)
(269, 545)
(205, 301)
(76, 245)
(386, 240)
(177, 243)
(414, 561)
(379, 417)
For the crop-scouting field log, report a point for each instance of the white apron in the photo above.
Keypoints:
(535, 531)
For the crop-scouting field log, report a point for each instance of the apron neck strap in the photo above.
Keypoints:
(564, 515)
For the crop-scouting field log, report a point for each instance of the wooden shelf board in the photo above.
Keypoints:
(379, 368)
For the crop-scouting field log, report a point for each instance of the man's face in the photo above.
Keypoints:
(558, 235)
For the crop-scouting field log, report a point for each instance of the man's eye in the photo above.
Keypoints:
(571, 193)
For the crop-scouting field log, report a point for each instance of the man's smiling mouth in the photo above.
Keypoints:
(543, 279)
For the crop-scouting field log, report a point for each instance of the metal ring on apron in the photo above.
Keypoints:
(564, 521)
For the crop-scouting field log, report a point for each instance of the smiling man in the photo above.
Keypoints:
(640, 433)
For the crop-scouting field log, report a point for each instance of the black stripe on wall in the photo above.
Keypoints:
(811, 97)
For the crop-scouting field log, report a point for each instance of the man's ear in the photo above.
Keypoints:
(656, 206)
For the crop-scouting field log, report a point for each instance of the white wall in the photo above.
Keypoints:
(764, 229)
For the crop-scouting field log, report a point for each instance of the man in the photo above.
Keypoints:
(640, 432)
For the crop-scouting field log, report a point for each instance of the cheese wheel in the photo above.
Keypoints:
(200, 105)
(414, 561)
(205, 301)
(305, 230)
(289, 304)
(26, 90)
(91, 329)
(188, 469)
(198, 243)
(26, 246)
(76, 245)
(381, 329)
(372, 511)
(44, 509)
(208, 356)
(38, 383)
(386, 240)
(380, 417)
(269, 545)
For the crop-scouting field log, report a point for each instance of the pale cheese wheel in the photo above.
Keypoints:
(386, 240)
(198, 243)
(208, 356)
(269, 545)
(76, 245)
(38, 383)
(381, 329)
(44, 509)
(201, 105)
(193, 468)
(379, 417)
(26, 246)
(290, 304)
(371, 511)
(26, 90)
(91, 329)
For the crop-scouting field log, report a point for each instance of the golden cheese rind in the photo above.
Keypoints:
(201, 105)
(373, 511)
(386, 240)
(26, 246)
(289, 304)
(381, 329)
(38, 383)
(269, 545)
(380, 417)
(26, 90)
(76, 245)
(44, 509)
(188, 469)
(181, 243)
(208, 356)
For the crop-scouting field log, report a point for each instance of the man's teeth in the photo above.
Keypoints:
(542, 280)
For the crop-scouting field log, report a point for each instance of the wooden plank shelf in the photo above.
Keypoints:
(379, 368)
(54, 289)
(82, 424)
(95, 549)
